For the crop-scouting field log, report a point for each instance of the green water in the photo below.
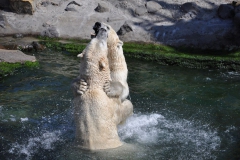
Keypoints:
(179, 113)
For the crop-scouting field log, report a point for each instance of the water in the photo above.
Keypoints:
(179, 113)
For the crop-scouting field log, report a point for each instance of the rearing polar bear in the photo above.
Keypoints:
(118, 86)
(96, 114)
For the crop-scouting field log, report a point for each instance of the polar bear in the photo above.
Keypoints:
(96, 114)
(118, 86)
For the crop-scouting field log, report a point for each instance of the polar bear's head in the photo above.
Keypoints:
(113, 39)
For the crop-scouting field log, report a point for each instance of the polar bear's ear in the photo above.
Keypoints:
(119, 44)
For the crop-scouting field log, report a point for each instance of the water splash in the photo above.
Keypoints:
(187, 139)
(29, 148)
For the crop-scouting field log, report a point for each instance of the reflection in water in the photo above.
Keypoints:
(178, 113)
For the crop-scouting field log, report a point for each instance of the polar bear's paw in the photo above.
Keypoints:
(82, 87)
(113, 89)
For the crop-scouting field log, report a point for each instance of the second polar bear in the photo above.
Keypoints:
(117, 63)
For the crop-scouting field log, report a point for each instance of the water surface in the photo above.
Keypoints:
(179, 113)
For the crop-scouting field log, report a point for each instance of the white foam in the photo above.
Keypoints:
(24, 119)
(30, 147)
(188, 138)
(142, 127)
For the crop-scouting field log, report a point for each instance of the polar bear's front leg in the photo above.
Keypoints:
(82, 87)
(113, 89)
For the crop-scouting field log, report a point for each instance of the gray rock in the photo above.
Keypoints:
(139, 11)
(13, 56)
(125, 28)
(50, 32)
(45, 3)
(102, 7)
(2, 21)
(18, 35)
(189, 7)
(226, 11)
(153, 6)
(73, 6)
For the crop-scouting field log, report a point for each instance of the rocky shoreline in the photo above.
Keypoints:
(199, 24)
(203, 25)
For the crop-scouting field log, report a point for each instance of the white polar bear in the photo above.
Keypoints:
(118, 86)
(96, 114)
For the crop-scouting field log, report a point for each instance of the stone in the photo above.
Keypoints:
(2, 21)
(102, 7)
(50, 32)
(125, 28)
(139, 11)
(189, 7)
(226, 11)
(18, 35)
(73, 6)
(153, 6)
(14, 56)
(23, 6)
(37, 46)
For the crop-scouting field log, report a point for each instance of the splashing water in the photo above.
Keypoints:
(185, 137)
(45, 141)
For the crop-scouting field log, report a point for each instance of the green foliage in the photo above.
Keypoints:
(186, 57)
(9, 68)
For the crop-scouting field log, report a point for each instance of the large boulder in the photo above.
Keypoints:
(13, 56)
(139, 11)
(226, 11)
(125, 28)
(23, 6)
(153, 6)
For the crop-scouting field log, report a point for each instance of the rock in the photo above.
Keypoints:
(74, 3)
(125, 28)
(139, 11)
(45, 3)
(236, 20)
(37, 46)
(189, 7)
(153, 6)
(2, 21)
(23, 6)
(13, 56)
(102, 7)
(50, 32)
(226, 11)
(18, 35)
(73, 6)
